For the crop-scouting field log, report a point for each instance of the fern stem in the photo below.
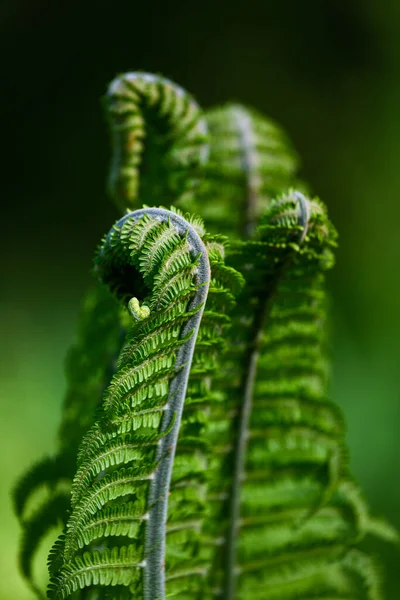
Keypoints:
(240, 447)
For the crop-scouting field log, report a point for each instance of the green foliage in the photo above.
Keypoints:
(200, 455)
(129, 452)
(89, 367)
(251, 161)
(158, 138)
(291, 498)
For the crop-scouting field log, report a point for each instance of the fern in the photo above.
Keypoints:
(91, 362)
(199, 455)
(292, 494)
(141, 416)
(251, 161)
(157, 129)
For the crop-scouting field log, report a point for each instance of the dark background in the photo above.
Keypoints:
(328, 70)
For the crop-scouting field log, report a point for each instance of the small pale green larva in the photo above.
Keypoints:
(138, 312)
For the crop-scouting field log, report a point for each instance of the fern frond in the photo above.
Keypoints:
(116, 567)
(251, 161)
(323, 573)
(47, 473)
(49, 515)
(129, 453)
(291, 493)
(89, 367)
(159, 140)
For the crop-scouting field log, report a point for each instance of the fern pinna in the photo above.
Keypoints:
(210, 461)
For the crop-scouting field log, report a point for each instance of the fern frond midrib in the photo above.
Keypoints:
(260, 318)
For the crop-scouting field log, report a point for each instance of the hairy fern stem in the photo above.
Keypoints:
(249, 164)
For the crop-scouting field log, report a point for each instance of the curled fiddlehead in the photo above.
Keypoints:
(159, 141)
(295, 514)
(121, 487)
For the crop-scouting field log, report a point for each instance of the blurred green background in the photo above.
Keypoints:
(329, 71)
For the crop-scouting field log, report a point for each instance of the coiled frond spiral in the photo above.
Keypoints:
(129, 453)
(295, 515)
(159, 141)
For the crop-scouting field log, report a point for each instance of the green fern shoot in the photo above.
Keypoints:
(200, 456)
